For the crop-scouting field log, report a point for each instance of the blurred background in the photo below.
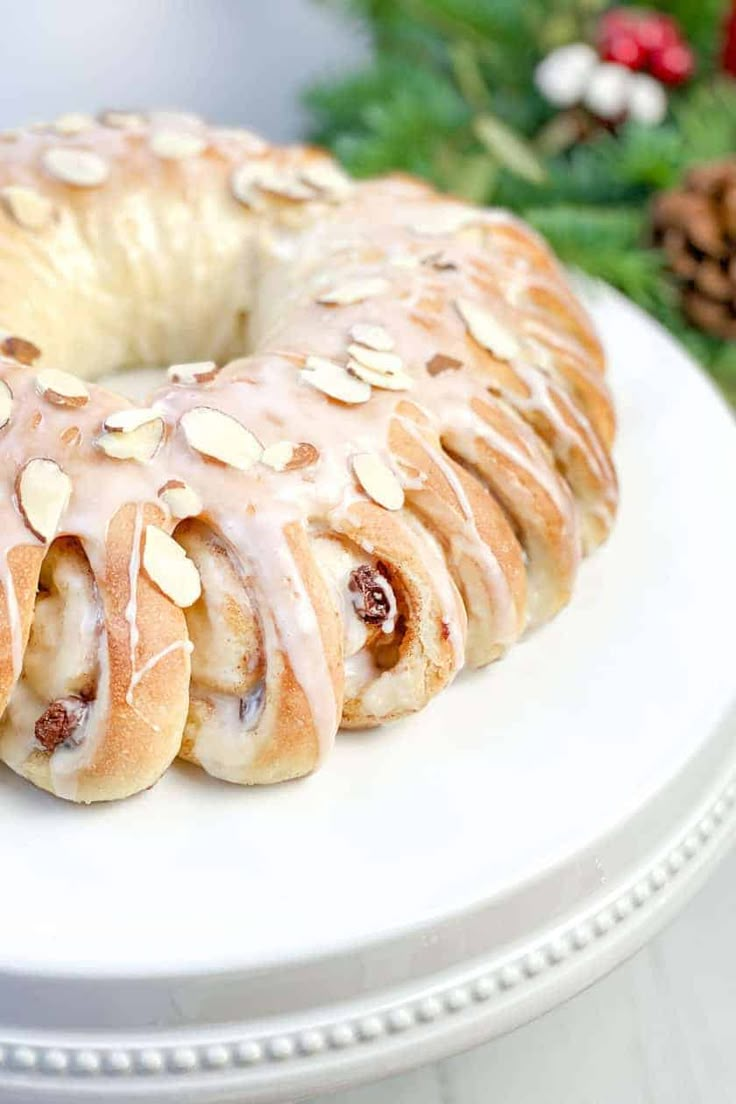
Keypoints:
(235, 61)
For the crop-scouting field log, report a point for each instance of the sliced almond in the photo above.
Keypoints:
(6, 403)
(440, 362)
(379, 369)
(354, 291)
(181, 500)
(444, 220)
(405, 260)
(71, 437)
(132, 435)
(203, 371)
(373, 337)
(28, 207)
(130, 419)
(83, 168)
(304, 456)
(73, 123)
(43, 491)
(286, 456)
(474, 234)
(122, 120)
(278, 456)
(327, 178)
(387, 381)
(246, 139)
(168, 566)
(376, 360)
(487, 330)
(378, 481)
(177, 145)
(61, 388)
(262, 176)
(244, 180)
(17, 348)
(285, 183)
(221, 437)
(334, 380)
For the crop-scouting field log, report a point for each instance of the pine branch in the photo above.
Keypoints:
(393, 116)
(706, 121)
(604, 242)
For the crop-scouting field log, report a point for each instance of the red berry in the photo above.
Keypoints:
(656, 32)
(613, 24)
(616, 20)
(672, 65)
(624, 49)
(728, 55)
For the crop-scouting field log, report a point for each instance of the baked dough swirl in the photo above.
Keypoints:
(383, 445)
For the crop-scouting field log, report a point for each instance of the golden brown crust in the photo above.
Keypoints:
(295, 747)
(481, 549)
(430, 651)
(149, 685)
(223, 625)
(135, 720)
(286, 740)
(541, 513)
(16, 612)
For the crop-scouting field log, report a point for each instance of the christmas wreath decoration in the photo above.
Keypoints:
(609, 129)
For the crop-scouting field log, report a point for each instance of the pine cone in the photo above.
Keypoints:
(695, 225)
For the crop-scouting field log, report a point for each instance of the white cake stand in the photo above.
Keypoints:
(440, 881)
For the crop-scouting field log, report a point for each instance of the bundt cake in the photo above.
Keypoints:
(381, 449)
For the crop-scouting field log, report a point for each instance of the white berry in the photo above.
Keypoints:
(607, 93)
(647, 100)
(562, 77)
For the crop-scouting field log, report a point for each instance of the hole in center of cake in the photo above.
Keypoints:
(137, 384)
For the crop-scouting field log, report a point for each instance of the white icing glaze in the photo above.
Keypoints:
(389, 622)
(474, 546)
(261, 541)
(338, 562)
(138, 676)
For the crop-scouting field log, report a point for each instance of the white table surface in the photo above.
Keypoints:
(661, 1029)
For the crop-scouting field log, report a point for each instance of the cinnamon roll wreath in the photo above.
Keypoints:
(382, 447)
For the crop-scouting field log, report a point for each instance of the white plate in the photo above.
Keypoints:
(440, 880)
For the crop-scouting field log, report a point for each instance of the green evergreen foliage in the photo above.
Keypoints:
(449, 95)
